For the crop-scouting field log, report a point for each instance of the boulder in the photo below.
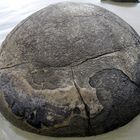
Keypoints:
(70, 69)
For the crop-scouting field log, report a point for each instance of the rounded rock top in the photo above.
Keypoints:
(70, 69)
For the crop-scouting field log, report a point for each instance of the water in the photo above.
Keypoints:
(12, 12)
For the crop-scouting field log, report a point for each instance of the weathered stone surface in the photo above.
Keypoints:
(70, 69)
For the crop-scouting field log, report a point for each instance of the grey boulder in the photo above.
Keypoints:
(70, 69)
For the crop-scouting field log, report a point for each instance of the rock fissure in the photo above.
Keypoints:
(90, 58)
(96, 57)
(24, 63)
(87, 111)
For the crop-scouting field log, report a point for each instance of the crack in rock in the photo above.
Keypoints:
(87, 111)
(96, 57)
(72, 64)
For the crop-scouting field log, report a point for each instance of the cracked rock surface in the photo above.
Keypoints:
(70, 69)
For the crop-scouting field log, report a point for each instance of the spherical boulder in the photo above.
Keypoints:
(70, 69)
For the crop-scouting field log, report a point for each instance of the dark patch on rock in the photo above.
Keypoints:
(31, 108)
(120, 97)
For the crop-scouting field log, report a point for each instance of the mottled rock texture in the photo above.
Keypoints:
(70, 69)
